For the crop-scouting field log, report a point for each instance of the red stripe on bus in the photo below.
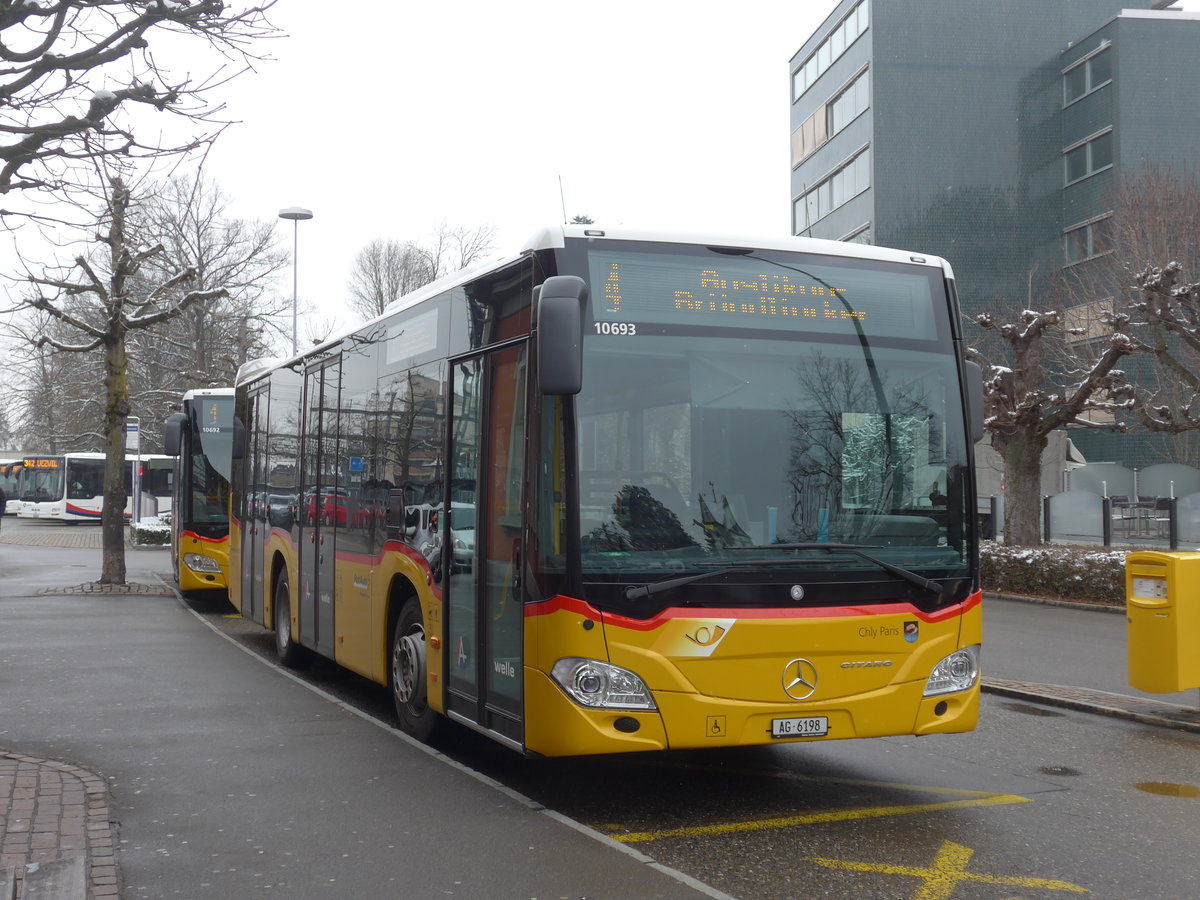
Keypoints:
(207, 540)
(570, 604)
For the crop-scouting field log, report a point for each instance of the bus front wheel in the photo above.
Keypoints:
(407, 674)
(290, 653)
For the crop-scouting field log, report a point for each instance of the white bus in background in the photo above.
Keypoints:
(69, 487)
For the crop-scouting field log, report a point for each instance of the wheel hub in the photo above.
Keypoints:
(408, 666)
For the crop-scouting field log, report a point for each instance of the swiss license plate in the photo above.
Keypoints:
(806, 726)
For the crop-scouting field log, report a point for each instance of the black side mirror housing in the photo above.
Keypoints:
(975, 402)
(173, 433)
(561, 301)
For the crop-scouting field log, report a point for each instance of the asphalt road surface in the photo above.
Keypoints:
(231, 777)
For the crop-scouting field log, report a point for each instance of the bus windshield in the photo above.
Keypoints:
(210, 464)
(738, 408)
(43, 479)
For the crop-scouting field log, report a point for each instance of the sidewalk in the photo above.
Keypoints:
(56, 840)
(56, 834)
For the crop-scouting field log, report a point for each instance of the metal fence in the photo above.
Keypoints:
(1109, 504)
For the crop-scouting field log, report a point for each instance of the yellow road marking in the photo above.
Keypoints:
(840, 815)
(948, 871)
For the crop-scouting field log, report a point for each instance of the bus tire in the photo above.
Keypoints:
(407, 674)
(289, 652)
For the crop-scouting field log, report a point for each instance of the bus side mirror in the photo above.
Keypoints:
(173, 433)
(974, 386)
(560, 334)
(238, 451)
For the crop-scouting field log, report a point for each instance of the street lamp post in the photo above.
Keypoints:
(296, 214)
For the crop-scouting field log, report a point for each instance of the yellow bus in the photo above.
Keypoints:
(200, 438)
(625, 491)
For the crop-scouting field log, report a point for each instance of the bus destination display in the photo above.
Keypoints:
(778, 292)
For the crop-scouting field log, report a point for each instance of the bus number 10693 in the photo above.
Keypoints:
(616, 328)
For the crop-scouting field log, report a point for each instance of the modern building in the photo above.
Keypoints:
(991, 132)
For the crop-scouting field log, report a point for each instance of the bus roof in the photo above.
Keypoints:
(555, 237)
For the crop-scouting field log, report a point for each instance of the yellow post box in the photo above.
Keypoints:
(1162, 601)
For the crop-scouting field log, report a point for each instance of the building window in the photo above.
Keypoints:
(846, 182)
(809, 136)
(830, 118)
(848, 104)
(1088, 74)
(1088, 321)
(1089, 156)
(845, 34)
(1089, 239)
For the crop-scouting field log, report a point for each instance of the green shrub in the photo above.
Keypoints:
(1060, 573)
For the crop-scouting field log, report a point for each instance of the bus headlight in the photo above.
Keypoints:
(599, 685)
(198, 563)
(957, 672)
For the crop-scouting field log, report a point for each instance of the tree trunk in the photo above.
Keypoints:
(116, 411)
(1022, 455)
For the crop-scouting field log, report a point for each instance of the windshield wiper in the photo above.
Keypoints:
(639, 591)
(857, 550)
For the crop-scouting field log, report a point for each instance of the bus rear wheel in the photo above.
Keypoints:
(289, 652)
(407, 674)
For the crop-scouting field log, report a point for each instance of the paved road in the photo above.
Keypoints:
(292, 795)
(1064, 646)
(296, 792)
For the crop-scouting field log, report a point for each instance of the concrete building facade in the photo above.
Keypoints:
(991, 132)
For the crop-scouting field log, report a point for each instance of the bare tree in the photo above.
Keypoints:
(205, 345)
(384, 271)
(70, 66)
(57, 404)
(1025, 402)
(1140, 256)
(455, 247)
(1119, 310)
(98, 303)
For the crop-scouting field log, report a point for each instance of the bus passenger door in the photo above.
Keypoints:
(319, 506)
(253, 532)
(486, 479)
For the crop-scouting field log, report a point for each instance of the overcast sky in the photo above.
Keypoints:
(661, 114)
(385, 118)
